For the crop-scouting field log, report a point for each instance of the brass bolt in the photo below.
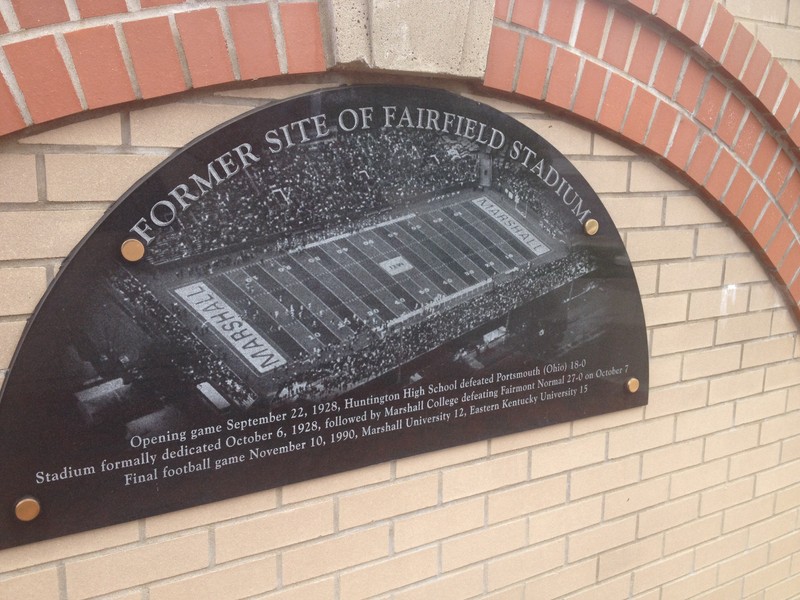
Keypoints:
(632, 385)
(591, 227)
(27, 508)
(132, 250)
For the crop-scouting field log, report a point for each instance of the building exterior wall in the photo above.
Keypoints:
(696, 495)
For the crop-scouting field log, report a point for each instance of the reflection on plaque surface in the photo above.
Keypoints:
(340, 279)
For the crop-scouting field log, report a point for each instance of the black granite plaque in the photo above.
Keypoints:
(344, 278)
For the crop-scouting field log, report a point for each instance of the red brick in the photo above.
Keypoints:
(669, 68)
(694, 21)
(154, 56)
(790, 263)
(738, 50)
(533, 68)
(3, 26)
(789, 105)
(559, 19)
(790, 196)
(691, 85)
(251, 28)
(645, 5)
(711, 104)
(768, 225)
(590, 89)
(99, 8)
(756, 67)
(794, 132)
(721, 174)
(776, 78)
(619, 40)
(644, 55)
(718, 33)
(527, 13)
(753, 207)
(101, 70)
(669, 12)
(204, 46)
(31, 14)
(661, 128)
(794, 290)
(615, 102)
(780, 244)
(701, 160)
(303, 34)
(779, 173)
(563, 78)
(738, 191)
(11, 117)
(731, 119)
(502, 59)
(746, 141)
(593, 23)
(43, 78)
(639, 115)
(682, 142)
(153, 3)
(501, 9)
(762, 158)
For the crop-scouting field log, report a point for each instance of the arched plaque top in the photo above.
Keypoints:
(347, 277)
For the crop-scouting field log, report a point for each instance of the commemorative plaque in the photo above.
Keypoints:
(344, 278)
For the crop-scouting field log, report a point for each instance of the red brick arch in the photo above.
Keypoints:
(678, 78)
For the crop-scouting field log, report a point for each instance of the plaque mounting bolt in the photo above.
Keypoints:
(132, 250)
(632, 385)
(27, 508)
(591, 227)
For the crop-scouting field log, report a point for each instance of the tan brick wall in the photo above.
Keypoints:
(696, 495)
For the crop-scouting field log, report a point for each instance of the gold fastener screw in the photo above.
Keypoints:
(632, 385)
(132, 250)
(27, 508)
(591, 227)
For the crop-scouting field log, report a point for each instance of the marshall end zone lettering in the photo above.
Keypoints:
(344, 278)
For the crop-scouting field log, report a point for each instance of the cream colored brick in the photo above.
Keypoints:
(704, 363)
(561, 582)
(528, 498)
(94, 177)
(10, 334)
(793, 402)
(767, 576)
(688, 210)
(728, 300)
(234, 582)
(772, 529)
(780, 427)
(764, 296)
(725, 592)
(661, 310)
(323, 589)
(784, 590)
(761, 352)
(526, 439)
(662, 572)
(669, 515)
(604, 176)
(18, 174)
(723, 548)
(100, 131)
(332, 484)
(523, 565)
(614, 562)
(38, 585)
(783, 322)
(568, 138)
(698, 478)
(438, 524)
(606, 476)
(43, 233)
(726, 495)
(647, 177)
(782, 375)
(271, 531)
(769, 10)
(570, 454)
(730, 442)
(693, 533)
(122, 569)
(760, 407)
(743, 269)
(679, 338)
(663, 244)
(607, 421)
(635, 211)
(565, 519)
(693, 275)
(640, 436)
(636, 497)
(736, 385)
(779, 477)
(333, 554)
(605, 147)
(601, 538)
(71, 545)
(744, 327)
(646, 278)
(613, 589)
(278, 92)
(397, 498)
(780, 41)
(215, 512)
(794, 13)
(400, 570)
(21, 289)
(458, 586)
(672, 458)
(174, 125)
(441, 458)
(785, 546)
(752, 461)
(480, 545)
(689, 586)
(719, 241)
(704, 421)
(665, 370)
(461, 482)
(675, 399)
(513, 593)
